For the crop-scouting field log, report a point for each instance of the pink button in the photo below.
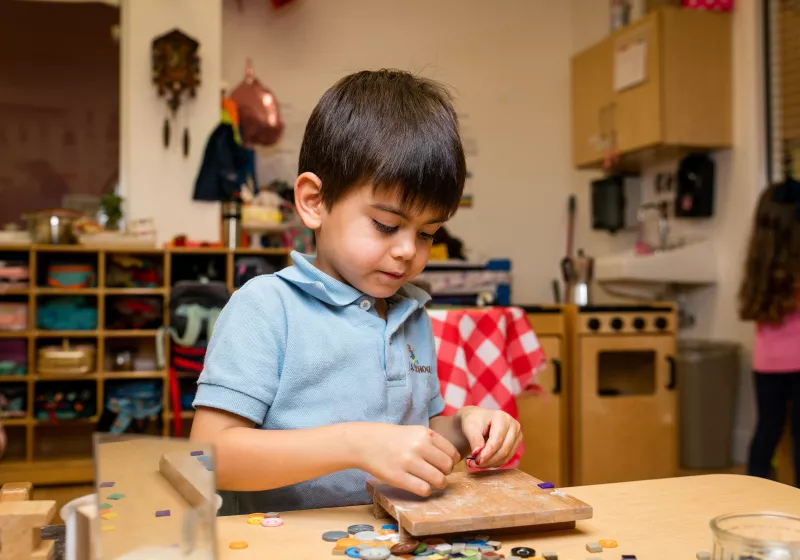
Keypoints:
(272, 522)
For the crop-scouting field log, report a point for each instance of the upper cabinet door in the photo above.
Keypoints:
(591, 104)
(636, 108)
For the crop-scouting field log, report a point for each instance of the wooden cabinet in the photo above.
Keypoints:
(625, 408)
(543, 416)
(682, 100)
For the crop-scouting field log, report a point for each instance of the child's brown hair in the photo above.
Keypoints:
(770, 288)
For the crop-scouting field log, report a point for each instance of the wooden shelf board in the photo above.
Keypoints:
(65, 334)
(198, 250)
(14, 378)
(15, 421)
(14, 291)
(14, 334)
(64, 249)
(134, 374)
(42, 473)
(134, 291)
(278, 252)
(132, 333)
(75, 377)
(47, 291)
(90, 420)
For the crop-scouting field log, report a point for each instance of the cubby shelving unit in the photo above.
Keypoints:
(45, 452)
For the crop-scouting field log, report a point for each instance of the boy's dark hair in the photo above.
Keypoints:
(770, 287)
(389, 128)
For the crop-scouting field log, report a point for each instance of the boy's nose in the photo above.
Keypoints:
(405, 248)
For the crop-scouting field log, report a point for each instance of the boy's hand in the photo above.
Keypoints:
(492, 434)
(413, 458)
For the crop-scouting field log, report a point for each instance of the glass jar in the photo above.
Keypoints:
(756, 536)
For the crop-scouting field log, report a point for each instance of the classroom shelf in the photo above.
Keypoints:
(50, 448)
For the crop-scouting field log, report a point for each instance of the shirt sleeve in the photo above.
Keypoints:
(437, 404)
(244, 357)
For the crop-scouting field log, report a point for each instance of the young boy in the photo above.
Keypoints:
(325, 373)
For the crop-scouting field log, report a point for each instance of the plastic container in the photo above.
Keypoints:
(708, 385)
(763, 535)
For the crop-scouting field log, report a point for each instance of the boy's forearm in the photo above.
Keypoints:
(450, 428)
(251, 459)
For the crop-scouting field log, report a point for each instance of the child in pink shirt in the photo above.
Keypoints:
(769, 296)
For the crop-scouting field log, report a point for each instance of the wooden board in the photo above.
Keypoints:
(189, 477)
(499, 499)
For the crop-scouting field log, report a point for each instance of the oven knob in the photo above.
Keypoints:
(661, 323)
(594, 324)
(616, 323)
(638, 323)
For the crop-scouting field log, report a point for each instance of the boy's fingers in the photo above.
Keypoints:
(443, 444)
(439, 459)
(429, 474)
(507, 449)
(411, 483)
(497, 434)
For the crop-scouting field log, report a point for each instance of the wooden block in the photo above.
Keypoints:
(45, 551)
(190, 478)
(16, 491)
(484, 500)
(20, 527)
(84, 525)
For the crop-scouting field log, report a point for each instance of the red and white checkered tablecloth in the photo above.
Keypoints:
(486, 357)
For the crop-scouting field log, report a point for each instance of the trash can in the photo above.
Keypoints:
(708, 382)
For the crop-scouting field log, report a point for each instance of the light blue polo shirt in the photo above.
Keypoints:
(299, 349)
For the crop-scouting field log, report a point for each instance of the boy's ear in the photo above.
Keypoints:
(308, 199)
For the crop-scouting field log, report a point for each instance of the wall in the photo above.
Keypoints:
(59, 104)
(159, 182)
(506, 62)
(740, 176)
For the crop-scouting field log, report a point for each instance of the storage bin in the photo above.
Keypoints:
(13, 274)
(70, 276)
(65, 401)
(67, 313)
(13, 399)
(13, 316)
(13, 357)
(65, 359)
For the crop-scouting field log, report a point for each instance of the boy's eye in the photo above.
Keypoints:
(426, 236)
(383, 228)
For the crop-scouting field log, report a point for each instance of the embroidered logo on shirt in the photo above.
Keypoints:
(415, 365)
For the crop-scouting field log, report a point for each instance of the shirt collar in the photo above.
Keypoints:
(316, 283)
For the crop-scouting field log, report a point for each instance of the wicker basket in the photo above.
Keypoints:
(61, 360)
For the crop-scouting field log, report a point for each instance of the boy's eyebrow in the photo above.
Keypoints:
(399, 212)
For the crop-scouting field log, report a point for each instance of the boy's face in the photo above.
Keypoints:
(370, 242)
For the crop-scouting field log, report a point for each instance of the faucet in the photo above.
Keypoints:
(663, 221)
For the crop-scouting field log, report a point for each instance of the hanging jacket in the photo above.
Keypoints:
(223, 162)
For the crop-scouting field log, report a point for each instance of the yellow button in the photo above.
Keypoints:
(238, 545)
(608, 543)
(255, 520)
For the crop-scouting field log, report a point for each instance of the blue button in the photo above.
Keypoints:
(353, 552)
(389, 527)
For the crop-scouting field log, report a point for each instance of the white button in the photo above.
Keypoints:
(365, 304)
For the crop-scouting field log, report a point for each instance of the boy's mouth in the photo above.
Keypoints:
(396, 276)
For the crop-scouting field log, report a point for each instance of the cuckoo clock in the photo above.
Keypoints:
(176, 70)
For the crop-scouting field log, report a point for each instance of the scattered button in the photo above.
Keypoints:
(594, 547)
(255, 520)
(333, 536)
(377, 553)
(703, 556)
(444, 548)
(497, 545)
(390, 527)
(558, 493)
(105, 506)
(421, 547)
(353, 529)
(486, 548)
(608, 543)
(272, 514)
(116, 496)
(550, 556)
(106, 484)
(544, 485)
(365, 304)
(470, 553)
(353, 552)
(272, 522)
(628, 557)
(366, 536)
(238, 545)
(162, 513)
(109, 515)
(404, 547)
(523, 552)
(347, 542)
(196, 453)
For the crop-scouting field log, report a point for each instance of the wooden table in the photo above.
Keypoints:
(665, 519)
(655, 519)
